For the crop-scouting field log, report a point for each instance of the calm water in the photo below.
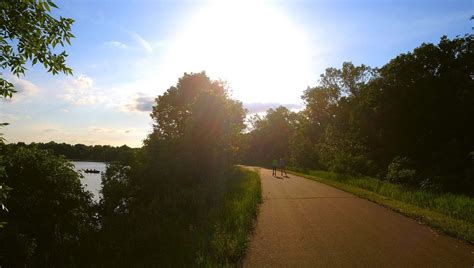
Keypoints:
(91, 181)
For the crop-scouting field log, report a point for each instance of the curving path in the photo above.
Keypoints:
(303, 223)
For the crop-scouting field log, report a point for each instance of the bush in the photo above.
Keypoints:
(49, 216)
(400, 171)
(429, 185)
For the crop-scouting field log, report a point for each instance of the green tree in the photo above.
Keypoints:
(157, 209)
(424, 106)
(303, 150)
(332, 109)
(50, 215)
(29, 33)
(364, 120)
(198, 115)
(270, 137)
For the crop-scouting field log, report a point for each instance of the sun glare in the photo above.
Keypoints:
(251, 45)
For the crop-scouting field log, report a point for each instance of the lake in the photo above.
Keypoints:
(91, 181)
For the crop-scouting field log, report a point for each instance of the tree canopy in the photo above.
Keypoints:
(178, 180)
(28, 32)
(413, 114)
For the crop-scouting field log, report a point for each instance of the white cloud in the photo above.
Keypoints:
(83, 82)
(80, 91)
(24, 89)
(116, 44)
(142, 42)
(137, 95)
(141, 103)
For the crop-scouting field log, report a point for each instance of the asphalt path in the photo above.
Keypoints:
(303, 223)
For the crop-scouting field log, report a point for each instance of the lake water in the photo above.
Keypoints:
(91, 181)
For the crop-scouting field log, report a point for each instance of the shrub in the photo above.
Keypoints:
(49, 213)
(429, 185)
(400, 171)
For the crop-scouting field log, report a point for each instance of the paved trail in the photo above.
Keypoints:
(306, 223)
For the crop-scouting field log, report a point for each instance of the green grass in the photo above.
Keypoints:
(199, 224)
(450, 213)
(234, 221)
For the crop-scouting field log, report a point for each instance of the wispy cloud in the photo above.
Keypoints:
(115, 44)
(79, 91)
(24, 89)
(142, 42)
(141, 103)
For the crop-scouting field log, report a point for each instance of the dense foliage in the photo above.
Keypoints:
(28, 32)
(270, 136)
(409, 121)
(162, 208)
(102, 153)
(50, 217)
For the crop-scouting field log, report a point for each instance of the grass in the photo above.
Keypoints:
(449, 213)
(234, 221)
(187, 224)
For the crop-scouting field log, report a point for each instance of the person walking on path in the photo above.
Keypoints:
(275, 166)
(282, 167)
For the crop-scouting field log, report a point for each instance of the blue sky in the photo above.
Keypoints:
(128, 52)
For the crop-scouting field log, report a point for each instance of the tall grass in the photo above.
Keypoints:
(228, 237)
(454, 213)
(179, 223)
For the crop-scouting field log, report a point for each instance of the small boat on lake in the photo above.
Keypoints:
(91, 170)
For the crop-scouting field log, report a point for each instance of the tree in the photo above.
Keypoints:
(425, 102)
(29, 33)
(335, 120)
(270, 137)
(157, 209)
(50, 214)
(414, 108)
(199, 118)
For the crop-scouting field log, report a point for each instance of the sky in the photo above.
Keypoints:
(126, 53)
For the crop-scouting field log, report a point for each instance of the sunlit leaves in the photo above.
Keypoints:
(29, 33)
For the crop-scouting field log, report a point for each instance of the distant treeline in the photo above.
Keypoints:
(103, 153)
(410, 121)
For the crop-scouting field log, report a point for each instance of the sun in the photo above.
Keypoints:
(251, 45)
